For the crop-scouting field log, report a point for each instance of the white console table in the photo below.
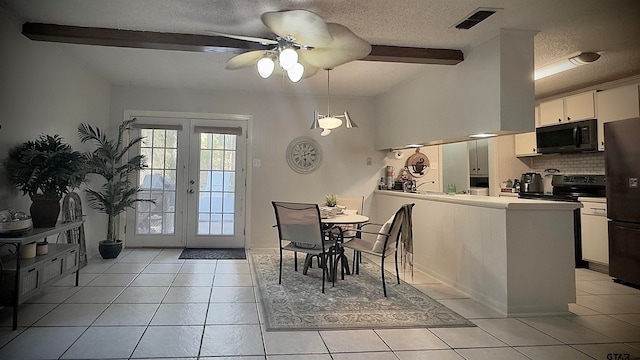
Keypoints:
(33, 275)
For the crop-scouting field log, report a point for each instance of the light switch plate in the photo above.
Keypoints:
(257, 162)
(434, 165)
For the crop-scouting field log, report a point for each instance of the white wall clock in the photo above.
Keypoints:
(304, 155)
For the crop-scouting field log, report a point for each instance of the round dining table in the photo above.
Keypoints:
(348, 217)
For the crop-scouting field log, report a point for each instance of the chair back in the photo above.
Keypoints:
(351, 202)
(299, 223)
(391, 242)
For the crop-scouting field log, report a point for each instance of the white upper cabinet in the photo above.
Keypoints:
(551, 112)
(616, 104)
(570, 108)
(580, 106)
(478, 157)
(526, 144)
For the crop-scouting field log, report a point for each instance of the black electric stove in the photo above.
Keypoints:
(570, 188)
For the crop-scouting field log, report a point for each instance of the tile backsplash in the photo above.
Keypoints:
(580, 163)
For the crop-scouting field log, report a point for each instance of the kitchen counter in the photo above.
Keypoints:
(513, 255)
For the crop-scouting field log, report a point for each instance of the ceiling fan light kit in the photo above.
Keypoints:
(304, 44)
(566, 63)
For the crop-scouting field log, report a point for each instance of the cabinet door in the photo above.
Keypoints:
(525, 144)
(473, 157)
(482, 154)
(580, 106)
(616, 104)
(595, 233)
(595, 239)
(551, 112)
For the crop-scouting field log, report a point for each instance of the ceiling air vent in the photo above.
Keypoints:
(475, 18)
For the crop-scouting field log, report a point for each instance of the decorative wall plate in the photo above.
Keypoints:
(418, 164)
(304, 155)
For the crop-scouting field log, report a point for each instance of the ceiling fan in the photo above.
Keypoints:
(304, 43)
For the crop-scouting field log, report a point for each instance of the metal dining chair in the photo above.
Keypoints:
(300, 230)
(383, 242)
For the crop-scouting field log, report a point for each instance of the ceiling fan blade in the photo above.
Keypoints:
(305, 27)
(245, 38)
(245, 59)
(345, 47)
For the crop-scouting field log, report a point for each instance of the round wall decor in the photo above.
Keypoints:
(418, 164)
(304, 155)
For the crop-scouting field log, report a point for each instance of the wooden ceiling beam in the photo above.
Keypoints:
(206, 43)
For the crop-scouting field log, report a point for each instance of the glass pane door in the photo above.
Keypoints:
(195, 176)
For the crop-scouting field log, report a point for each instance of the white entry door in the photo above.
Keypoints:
(196, 176)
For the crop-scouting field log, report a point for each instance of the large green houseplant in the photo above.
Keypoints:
(110, 159)
(45, 169)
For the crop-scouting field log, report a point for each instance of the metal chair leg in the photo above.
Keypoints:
(384, 285)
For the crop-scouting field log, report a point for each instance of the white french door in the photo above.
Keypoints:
(196, 177)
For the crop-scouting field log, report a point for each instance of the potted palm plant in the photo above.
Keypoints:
(45, 169)
(110, 160)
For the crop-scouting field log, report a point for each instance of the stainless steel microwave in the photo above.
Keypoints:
(571, 137)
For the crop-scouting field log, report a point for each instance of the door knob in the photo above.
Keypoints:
(190, 191)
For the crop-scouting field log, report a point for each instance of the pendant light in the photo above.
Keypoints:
(328, 122)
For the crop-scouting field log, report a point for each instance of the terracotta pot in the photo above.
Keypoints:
(44, 211)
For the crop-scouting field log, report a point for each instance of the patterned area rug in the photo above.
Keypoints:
(357, 302)
(213, 254)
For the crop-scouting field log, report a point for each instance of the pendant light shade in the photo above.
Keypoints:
(330, 122)
(348, 122)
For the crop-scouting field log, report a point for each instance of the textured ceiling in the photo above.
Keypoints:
(565, 27)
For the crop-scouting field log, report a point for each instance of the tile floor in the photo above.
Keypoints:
(149, 304)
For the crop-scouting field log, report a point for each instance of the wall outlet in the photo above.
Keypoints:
(434, 165)
(257, 162)
(369, 161)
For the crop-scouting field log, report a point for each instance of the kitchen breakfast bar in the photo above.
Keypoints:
(513, 255)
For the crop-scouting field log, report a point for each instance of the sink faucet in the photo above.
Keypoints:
(415, 186)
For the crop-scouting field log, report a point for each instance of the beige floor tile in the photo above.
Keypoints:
(127, 314)
(411, 339)
(353, 341)
(429, 354)
(470, 309)
(514, 332)
(609, 326)
(184, 294)
(491, 354)
(469, 337)
(294, 342)
(603, 351)
(232, 340)
(169, 341)
(566, 330)
(554, 352)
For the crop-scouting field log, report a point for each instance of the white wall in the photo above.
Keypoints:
(276, 120)
(44, 92)
(492, 90)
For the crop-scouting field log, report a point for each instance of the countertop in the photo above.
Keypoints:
(602, 200)
(495, 202)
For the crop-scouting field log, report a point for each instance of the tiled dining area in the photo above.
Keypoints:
(148, 304)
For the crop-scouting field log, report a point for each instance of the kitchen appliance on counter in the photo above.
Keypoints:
(622, 167)
(570, 188)
(531, 183)
(571, 137)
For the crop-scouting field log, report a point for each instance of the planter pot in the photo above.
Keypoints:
(109, 250)
(44, 211)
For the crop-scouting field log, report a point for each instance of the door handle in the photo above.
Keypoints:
(190, 191)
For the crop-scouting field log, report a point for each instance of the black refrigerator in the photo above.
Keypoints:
(622, 170)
